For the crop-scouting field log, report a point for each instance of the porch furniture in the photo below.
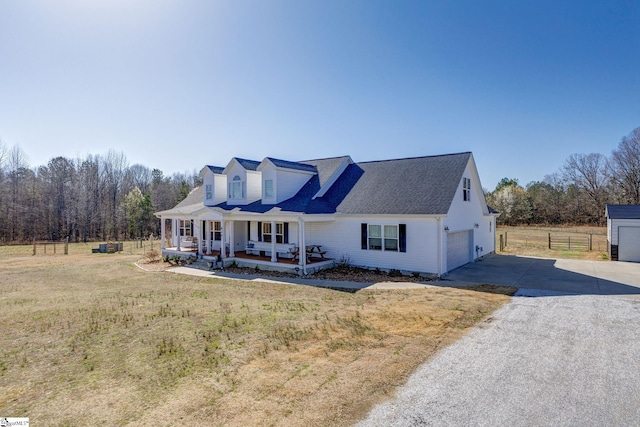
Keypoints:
(189, 242)
(311, 252)
(315, 251)
(285, 250)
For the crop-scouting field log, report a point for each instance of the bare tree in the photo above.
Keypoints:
(624, 167)
(586, 174)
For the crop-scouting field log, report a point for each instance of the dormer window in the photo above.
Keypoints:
(268, 188)
(236, 188)
(208, 192)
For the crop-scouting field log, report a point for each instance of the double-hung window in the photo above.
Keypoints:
(268, 232)
(208, 191)
(377, 237)
(184, 227)
(390, 237)
(268, 188)
(216, 230)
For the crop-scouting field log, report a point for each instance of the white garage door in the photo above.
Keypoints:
(629, 244)
(459, 249)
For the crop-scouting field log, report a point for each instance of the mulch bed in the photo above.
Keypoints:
(339, 273)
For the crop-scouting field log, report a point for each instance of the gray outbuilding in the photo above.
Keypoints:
(623, 232)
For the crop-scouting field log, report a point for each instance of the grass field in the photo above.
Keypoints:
(90, 339)
(534, 241)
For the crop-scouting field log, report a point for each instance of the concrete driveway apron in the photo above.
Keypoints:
(559, 275)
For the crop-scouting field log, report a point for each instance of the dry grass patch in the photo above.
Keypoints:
(534, 241)
(90, 339)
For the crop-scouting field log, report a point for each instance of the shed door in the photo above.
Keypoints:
(459, 249)
(629, 244)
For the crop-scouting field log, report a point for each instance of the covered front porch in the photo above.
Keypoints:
(250, 260)
(249, 241)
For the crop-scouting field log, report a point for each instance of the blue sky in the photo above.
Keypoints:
(179, 84)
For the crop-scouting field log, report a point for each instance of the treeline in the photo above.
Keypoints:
(100, 197)
(577, 193)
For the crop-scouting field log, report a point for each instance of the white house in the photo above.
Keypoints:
(623, 232)
(424, 214)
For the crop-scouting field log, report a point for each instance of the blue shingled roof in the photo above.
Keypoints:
(623, 211)
(411, 186)
(250, 165)
(292, 165)
(215, 169)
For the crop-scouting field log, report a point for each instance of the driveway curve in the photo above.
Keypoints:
(564, 352)
(548, 361)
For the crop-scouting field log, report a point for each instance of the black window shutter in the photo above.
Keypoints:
(402, 234)
(363, 235)
(259, 231)
(286, 232)
(248, 230)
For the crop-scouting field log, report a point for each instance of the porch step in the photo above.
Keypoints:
(201, 265)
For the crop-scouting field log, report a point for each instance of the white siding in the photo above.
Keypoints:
(218, 183)
(269, 172)
(254, 186)
(613, 227)
(286, 183)
(341, 240)
(220, 188)
(464, 215)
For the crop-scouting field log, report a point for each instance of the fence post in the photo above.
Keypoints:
(505, 238)
(590, 242)
(549, 240)
(66, 246)
(569, 242)
(501, 243)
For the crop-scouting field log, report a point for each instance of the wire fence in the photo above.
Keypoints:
(549, 240)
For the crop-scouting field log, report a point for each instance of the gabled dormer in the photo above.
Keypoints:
(282, 179)
(243, 181)
(329, 170)
(214, 184)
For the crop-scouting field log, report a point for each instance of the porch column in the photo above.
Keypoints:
(177, 228)
(274, 255)
(197, 232)
(207, 233)
(162, 231)
(223, 239)
(232, 240)
(302, 249)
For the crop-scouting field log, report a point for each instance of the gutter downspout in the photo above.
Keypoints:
(302, 250)
(440, 231)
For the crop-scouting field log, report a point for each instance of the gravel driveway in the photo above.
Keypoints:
(548, 360)
(566, 353)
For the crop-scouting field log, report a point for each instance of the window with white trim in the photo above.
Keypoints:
(466, 189)
(208, 191)
(267, 232)
(375, 237)
(268, 188)
(184, 227)
(236, 188)
(216, 230)
(390, 237)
